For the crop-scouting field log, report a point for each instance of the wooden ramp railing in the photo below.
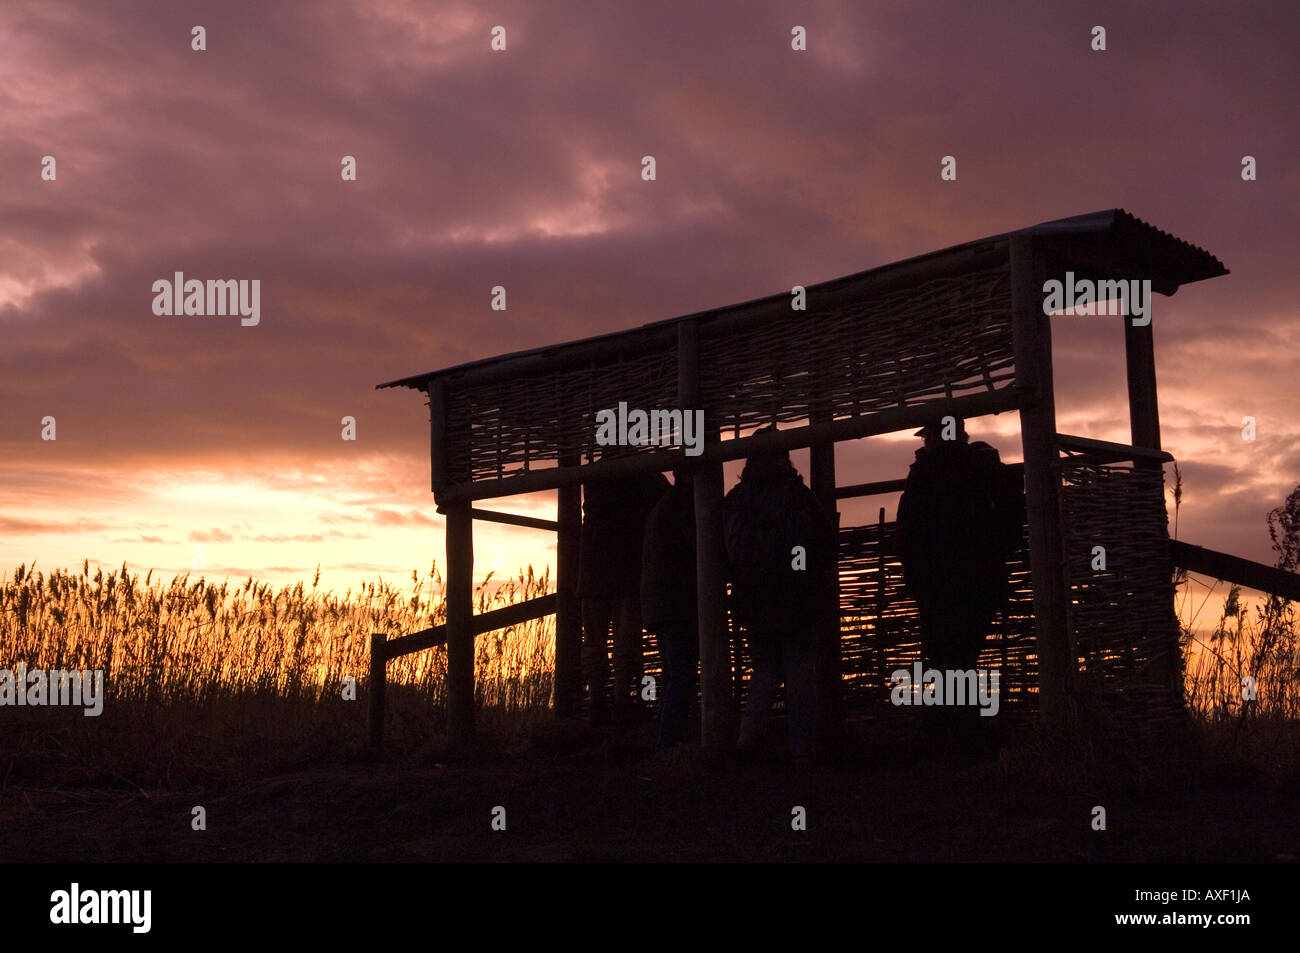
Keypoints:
(382, 650)
(1234, 569)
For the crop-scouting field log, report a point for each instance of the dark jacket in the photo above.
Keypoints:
(765, 516)
(961, 515)
(668, 560)
(614, 512)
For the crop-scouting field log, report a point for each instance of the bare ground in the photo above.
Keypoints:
(571, 793)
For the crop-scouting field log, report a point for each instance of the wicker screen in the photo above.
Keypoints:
(1123, 620)
(939, 338)
(881, 633)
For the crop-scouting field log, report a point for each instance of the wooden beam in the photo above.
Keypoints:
(718, 724)
(1111, 452)
(888, 486)
(1033, 350)
(437, 436)
(378, 678)
(656, 461)
(828, 656)
(567, 691)
(716, 710)
(490, 621)
(1234, 569)
(869, 489)
(514, 519)
(1143, 404)
(460, 621)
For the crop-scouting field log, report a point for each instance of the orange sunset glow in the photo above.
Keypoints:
(187, 442)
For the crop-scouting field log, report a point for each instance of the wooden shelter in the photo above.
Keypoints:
(960, 331)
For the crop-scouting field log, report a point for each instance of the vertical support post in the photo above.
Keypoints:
(378, 678)
(437, 437)
(718, 728)
(460, 612)
(568, 620)
(1144, 411)
(821, 479)
(1144, 425)
(1033, 355)
(718, 723)
(459, 578)
(878, 655)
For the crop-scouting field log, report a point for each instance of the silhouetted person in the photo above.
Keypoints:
(778, 543)
(668, 602)
(961, 515)
(609, 581)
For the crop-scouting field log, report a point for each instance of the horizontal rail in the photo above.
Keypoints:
(869, 489)
(657, 461)
(514, 519)
(524, 611)
(1234, 569)
(888, 486)
(1103, 451)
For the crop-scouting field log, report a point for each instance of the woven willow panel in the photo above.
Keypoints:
(944, 337)
(511, 427)
(1123, 620)
(941, 338)
(881, 631)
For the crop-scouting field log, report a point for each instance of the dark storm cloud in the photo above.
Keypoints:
(522, 169)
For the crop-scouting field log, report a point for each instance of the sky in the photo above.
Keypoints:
(181, 439)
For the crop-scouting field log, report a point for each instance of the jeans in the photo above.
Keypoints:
(679, 647)
(953, 632)
(624, 614)
(789, 653)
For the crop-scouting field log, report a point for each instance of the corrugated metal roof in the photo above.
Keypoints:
(1149, 250)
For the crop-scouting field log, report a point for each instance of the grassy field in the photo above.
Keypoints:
(209, 681)
(233, 698)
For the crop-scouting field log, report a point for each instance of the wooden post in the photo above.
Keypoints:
(378, 677)
(718, 722)
(1144, 425)
(718, 726)
(437, 438)
(1033, 354)
(878, 655)
(568, 619)
(830, 709)
(460, 634)
(1143, 409)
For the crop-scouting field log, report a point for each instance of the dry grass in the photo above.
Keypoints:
(210, 683)
(204, 679)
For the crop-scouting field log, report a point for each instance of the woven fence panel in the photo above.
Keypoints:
(881, 632)
(510, 427)
(1122, 617)
(941, 338)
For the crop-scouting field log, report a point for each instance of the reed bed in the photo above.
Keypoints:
(207, 681)
(203, 677)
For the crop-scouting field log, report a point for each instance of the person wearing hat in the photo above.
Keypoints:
(961, 515)
(776, 593)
